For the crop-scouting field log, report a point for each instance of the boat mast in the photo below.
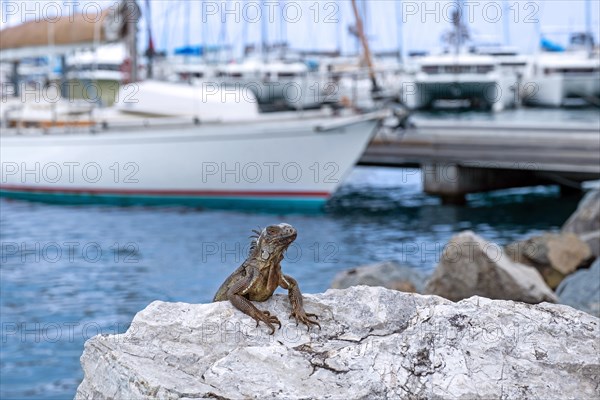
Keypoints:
(165, 30)
(588, 25)
(365, 18)
(286, 42)
(204, 33)
(186, 28)
(132, 12)
(222, 43)
(457, 21)
(150, 50)
(399, 32)
(538, 35)
(264, 32)
(365, 44)
(340, 32)
(506, 23)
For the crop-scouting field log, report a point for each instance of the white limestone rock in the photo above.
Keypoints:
(375, 344)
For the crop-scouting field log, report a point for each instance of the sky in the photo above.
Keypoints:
(323, 25)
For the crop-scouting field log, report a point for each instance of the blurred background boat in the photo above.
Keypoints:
(476, 79)
(562, 74)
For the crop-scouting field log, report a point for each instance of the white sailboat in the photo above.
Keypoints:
(175, 143)
(172, 146)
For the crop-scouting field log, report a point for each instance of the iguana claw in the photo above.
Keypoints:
(302, 316)
(269, 320)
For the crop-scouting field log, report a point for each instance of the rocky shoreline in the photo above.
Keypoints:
(557, 267)
(485, 326)
(375, 343)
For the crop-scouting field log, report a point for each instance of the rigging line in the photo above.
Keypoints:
(264, 32)
(283, 26)
(165, 23)
(338, 32)
(187, 23)
(179, 9)
(244, 35)
(205, 34)
(223, 32)
(400, 30)
(506, 20)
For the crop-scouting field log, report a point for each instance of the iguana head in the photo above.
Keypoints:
(273, 240)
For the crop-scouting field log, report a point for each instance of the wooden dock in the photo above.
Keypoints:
(461, 157)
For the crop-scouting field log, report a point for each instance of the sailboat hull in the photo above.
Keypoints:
(285, 165)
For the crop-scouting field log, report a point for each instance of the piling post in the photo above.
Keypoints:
(452, 182)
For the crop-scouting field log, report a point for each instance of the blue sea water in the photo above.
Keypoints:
(71, 272)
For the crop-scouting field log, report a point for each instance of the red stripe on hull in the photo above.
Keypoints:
(191, 193)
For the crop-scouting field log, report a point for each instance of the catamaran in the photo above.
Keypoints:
(472, 77)
(563, 74)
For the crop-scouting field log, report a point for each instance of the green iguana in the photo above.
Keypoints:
(258, 277)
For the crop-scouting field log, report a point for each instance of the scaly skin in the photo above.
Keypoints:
(258, 277)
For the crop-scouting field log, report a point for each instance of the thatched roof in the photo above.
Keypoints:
(68, 30)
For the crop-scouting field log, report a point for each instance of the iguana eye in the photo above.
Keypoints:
(271, 230)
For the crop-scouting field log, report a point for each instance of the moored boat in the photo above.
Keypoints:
(462, 76)
(284, 161)
(561, 76)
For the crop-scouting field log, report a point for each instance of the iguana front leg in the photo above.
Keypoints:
(235, 294)
(289, 283)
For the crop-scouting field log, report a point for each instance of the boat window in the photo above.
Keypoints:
(571, 70)
(513, 64)
(458, 69)
(484, 69)
(430, 69)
